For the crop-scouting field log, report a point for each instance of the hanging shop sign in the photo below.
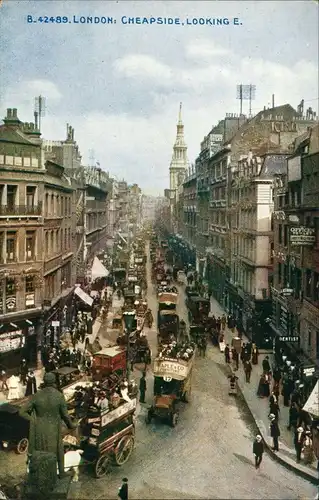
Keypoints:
(11, 341)
(283, 338)
(302, 236)
(308, 371)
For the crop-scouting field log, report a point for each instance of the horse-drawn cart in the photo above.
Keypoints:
(105, 438)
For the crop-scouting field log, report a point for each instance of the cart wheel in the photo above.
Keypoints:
(102, 466)
(174, 420)
(124, 449)
(22, 446)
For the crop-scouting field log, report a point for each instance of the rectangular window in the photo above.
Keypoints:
(30, 196)
(29, 284)
(309, 337)
(308, 284)
(1, 247)
(11, 250)
(280, 233)
(30, 245)
(316, 287)
(10, 287)
(11, 196)
(286, 228)
(10, 295)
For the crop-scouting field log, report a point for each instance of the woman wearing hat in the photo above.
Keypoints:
(274, 431)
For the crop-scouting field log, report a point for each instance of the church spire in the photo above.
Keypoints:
(180, 114)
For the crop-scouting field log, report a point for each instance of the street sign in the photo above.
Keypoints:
(55, 324)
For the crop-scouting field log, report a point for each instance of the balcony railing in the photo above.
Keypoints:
(21, 210)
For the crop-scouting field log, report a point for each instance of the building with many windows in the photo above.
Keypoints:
(59, 249)
(21, 239)
(295, 292)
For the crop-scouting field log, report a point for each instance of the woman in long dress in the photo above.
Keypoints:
(254, 354)
(14, 388)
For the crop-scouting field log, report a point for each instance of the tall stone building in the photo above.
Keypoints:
(22, 175)
(66, 154)
(211, 202)
(268, 134)
(189, 230)
(179, 164)
(91, 186)
(295, 292)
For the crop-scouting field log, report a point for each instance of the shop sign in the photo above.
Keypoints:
(11, 341)
(302, 236)
(29, 300)
(283, 338)
(287, 291)
(308, 371)
(55, 324)
(132, 279)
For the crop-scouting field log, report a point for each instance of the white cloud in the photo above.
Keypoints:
(205, 49)
(139, 65)
(25, 91)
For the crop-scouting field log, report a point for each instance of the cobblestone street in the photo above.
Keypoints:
(208, 454)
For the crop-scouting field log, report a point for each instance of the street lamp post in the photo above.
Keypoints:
(128, 321)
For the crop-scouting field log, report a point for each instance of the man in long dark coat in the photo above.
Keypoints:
(46, 410)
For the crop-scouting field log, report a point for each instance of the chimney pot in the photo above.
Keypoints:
(14, 113)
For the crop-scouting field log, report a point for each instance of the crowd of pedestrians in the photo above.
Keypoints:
(274, 385)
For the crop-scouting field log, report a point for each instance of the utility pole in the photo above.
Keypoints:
(246, 93)
(39, 110)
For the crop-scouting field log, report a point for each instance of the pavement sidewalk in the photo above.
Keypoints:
(259, 409)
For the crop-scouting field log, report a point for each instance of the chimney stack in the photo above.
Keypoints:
(9, 113)
(36, 120)
(273, 100)
(14, 113)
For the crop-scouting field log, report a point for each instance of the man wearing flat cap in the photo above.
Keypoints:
(46, 410)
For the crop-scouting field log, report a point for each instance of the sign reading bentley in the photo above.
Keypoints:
(302, 236)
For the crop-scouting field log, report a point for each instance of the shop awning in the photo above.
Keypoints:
(98, 270)
(312, 404)
(83, 296)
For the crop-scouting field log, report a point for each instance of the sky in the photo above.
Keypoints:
(120, 85)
